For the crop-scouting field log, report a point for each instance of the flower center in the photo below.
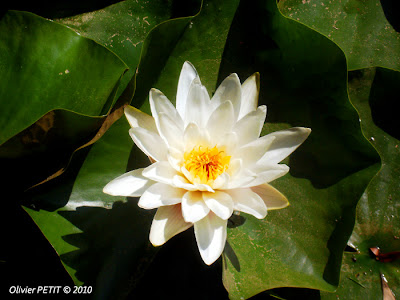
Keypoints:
(206, 164)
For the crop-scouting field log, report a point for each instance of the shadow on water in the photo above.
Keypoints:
(384, 97)
(112, 245)
(58, 9)
(178, 272)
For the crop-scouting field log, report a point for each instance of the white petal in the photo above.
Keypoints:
(160, 171)
(195, 136)
(249, 202)
(137, 118)
(194, 207)
(239, 176)
(167, 222)
(170, 132)
(250, 92)
(181, 182)
(274, 172)
(210, 235)
(221, 121)
(229, 90)
(252, 152)
(175, 158)
(130, 184)
(228, 143)
(249, 127)
(286, 141)
(198, 106)
(159, 103)
(149, 142)
(203, 187)
(221, 182)
(271, 196)
(196, 181)
(220, 203)
(188, 74)
(160, 194)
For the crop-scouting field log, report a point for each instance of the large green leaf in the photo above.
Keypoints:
(45, 66)
(303, 83)
(378, 211)
(122, 27)
(54, 85)
(360, 28)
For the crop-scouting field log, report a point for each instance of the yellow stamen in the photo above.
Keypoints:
(206, 164)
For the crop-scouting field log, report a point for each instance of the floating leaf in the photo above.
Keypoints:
(359, 28)
(45, 66)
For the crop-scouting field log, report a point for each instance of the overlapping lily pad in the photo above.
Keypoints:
(54, 86)
(360, 28)
(47, 66)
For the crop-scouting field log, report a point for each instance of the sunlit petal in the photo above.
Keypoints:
(160, 194)
(168, 222)
(221, 121)
(271, 196)
(150, 143)
(275, 171)
(197, 105)
(249, 127)
(210, 235)
(188, 74)
(247, 201)
(137, 118)
(161, 172)
(170, 132)
(220, 203)
(130, 184)
(286, 141)
(250, 92)
(194, 207)
(159, 103)
(252, 152)
(195, 136)
(229, 90)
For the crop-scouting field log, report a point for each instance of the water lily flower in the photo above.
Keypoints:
(208, 160)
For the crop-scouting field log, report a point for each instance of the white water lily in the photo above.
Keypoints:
(208, 160)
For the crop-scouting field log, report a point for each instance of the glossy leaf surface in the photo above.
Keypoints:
(45, 66)
(359, 28)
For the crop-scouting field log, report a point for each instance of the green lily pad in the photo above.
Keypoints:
(359, 28)
(122, 28)
(378, 210)
(45, 66)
